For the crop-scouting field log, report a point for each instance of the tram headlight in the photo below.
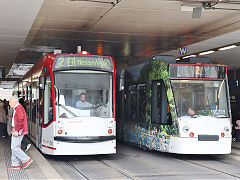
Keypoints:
(185, 129)
(110, 131)
(226, 129)
(191, 134)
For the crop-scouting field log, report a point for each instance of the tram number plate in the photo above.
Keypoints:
(208, 137)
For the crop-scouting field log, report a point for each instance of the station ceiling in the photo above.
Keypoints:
(125, 29)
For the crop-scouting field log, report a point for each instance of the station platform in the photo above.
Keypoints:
(42, 169)
(39, 169)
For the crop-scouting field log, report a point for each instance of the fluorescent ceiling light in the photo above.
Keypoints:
(227, 47)
(195, 9)
(187, 7)
(189, 56)
(207, 52)
(18, 70)
(7, 84)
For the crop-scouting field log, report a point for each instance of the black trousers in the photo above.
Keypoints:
(237, 135)
(3, 129)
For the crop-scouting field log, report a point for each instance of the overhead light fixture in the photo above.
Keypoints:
(7, 84)
(207, 52)
(185, 57)
(227, 47)
(195, 9)
(18, 70)
(237, 44)
(186, 7)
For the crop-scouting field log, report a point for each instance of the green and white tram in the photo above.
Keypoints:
(176, 107)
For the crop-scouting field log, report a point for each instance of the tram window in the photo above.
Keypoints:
(97, 88)
(142, 102)
(34, 111)
(48, 114)
(132, 103)
(34, 101)
(160, 107)
(40, 106)
(207, 98)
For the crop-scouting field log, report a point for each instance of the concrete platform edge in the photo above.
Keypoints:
(47, 169)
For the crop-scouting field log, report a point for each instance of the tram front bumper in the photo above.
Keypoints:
(194, 146)
(73, 148)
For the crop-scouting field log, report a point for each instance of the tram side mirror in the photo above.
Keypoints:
(121, 85)
(121, 81)
(41, 82)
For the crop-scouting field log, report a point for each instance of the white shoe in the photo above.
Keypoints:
(28, 146)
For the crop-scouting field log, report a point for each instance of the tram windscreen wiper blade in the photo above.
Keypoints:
(70, 112)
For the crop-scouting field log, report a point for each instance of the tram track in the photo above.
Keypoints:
(105, 166)
(214, 169)
(77, 171)
(85, 177)
(115, 169)
(211, 168)
(124, 174)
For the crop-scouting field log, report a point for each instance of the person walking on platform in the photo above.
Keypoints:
(24, 141)
(3, 121)
(20, 128)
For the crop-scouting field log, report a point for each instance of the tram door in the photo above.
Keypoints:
(39, 119)
(48, 124)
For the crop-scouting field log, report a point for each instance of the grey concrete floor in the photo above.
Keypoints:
(134, 163)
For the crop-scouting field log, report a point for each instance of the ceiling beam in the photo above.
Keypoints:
(9, 79)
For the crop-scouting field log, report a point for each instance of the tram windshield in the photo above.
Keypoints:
(83, 93)
(197, 97)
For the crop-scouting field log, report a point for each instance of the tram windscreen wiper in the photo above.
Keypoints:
(70, 112)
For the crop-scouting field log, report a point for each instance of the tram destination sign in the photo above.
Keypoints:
(83, 62)
(181, 71)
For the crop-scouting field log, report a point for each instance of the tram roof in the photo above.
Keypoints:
(172, 59)
(165, 58)
(48, 60)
